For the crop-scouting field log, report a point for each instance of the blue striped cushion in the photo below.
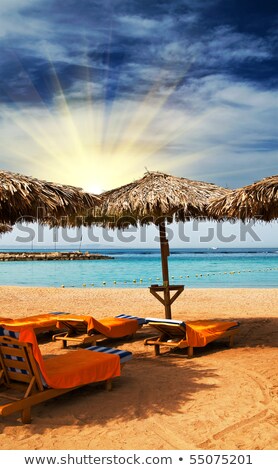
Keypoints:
(124, 355)
(5, 332)
(15, 335)
(141, 321)
(59, 313)
(165, 320)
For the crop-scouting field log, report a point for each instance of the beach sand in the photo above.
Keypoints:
(221, 399)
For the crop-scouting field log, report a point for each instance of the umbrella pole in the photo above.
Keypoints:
(164, 248)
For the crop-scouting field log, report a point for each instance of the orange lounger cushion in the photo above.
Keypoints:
(73, 369)
(200, 333)
(24, 369)
(118, 327)
(79, 368)
(178, 334)
(110, 327)
(44, 320)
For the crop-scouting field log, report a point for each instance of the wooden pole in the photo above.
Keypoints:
(164, 248)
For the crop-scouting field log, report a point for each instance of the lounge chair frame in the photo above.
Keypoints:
(77, 333)
(173, 336)
(23, 375)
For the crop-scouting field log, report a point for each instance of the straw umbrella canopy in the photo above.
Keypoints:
(157, 198)
(5, 228)
(258, 200)
(23, 197)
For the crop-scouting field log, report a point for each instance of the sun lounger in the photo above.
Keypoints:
(24, 369)
(178, 334)
(85, 329)
(39, 323)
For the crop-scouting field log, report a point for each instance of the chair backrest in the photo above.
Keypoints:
(141, 321)
(172, 330)
(165, 320)
(75, 327)
(18, 362)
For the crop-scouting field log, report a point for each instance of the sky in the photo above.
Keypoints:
(94, 92)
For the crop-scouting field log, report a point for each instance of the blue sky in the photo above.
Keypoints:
(93, 92)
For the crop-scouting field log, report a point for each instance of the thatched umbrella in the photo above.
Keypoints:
(258, 200)
(21, 197)
(5, 228)
(158, 197)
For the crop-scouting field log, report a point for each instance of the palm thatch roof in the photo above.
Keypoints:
(258, 200)
(155, 196)
(21, 197)
(5, 228)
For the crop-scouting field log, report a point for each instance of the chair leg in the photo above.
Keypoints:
(156, 349)
(108, 385)
(190, 352)
(26, 416)
(64, 344)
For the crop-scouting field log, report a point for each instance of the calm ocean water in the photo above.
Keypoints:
(141, 267)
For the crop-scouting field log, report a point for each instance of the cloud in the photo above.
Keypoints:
(15, 23)
(218, 130)
(123, 44)
(186, 87)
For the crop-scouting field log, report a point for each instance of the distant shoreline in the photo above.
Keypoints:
(51, 256)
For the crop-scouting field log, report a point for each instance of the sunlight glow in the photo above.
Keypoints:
(85, 143)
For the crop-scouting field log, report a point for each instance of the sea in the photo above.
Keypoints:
(138, 268)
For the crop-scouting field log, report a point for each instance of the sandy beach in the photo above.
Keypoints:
(221, 399)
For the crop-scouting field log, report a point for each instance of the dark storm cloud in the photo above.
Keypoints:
(115, 41)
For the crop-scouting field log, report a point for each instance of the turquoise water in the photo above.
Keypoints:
(140, 268)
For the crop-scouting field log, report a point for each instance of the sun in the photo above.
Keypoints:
(95, 189)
